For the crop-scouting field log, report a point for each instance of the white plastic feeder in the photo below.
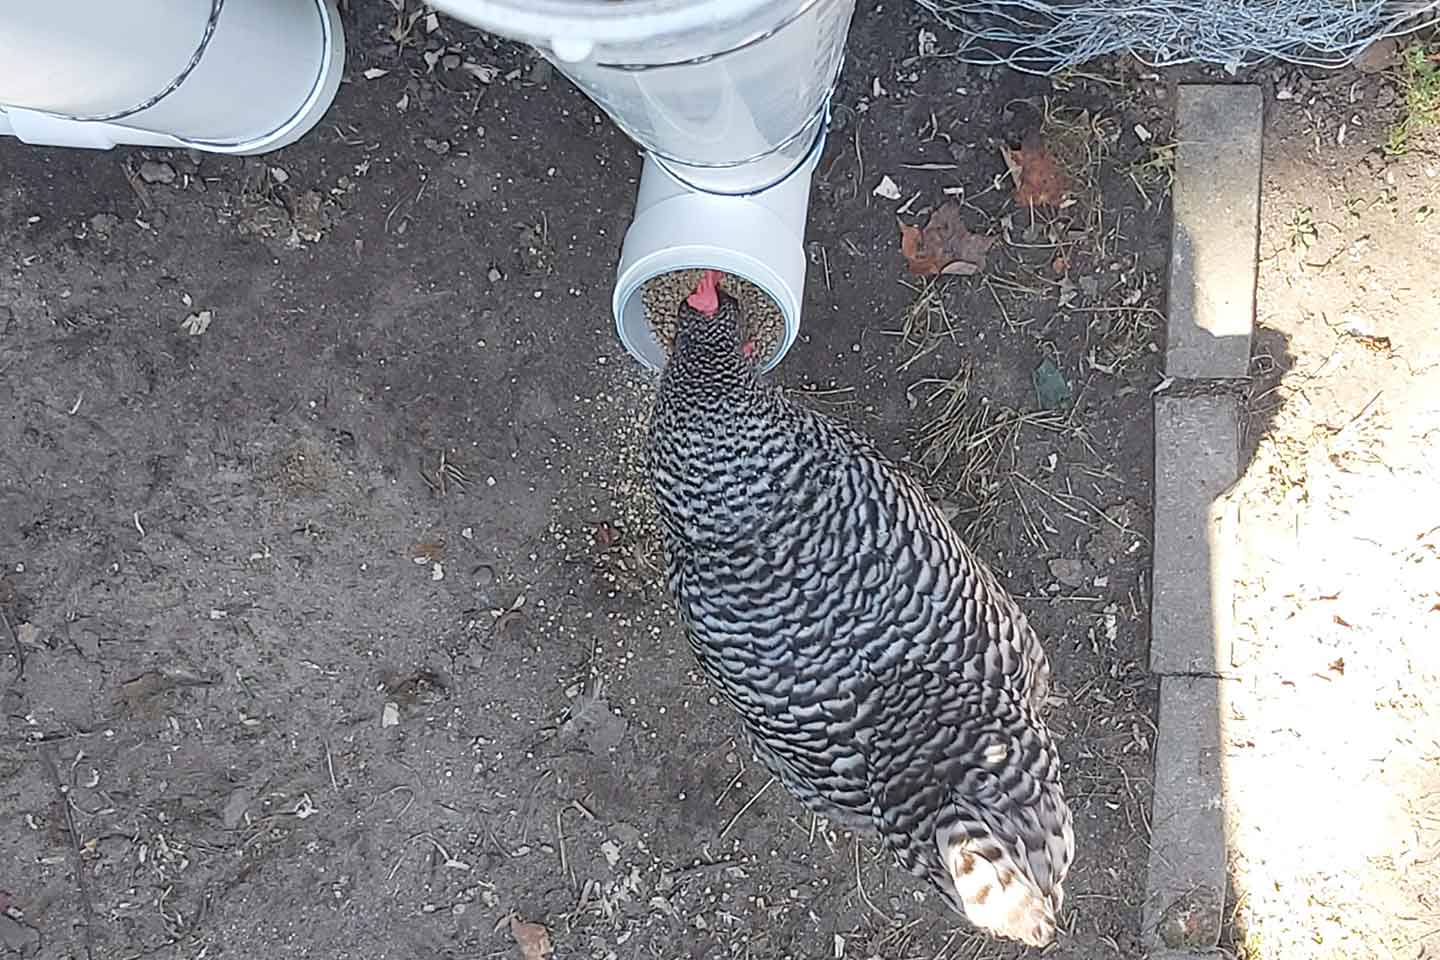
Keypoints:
(729, 100)
(759, 237)
(221, 76)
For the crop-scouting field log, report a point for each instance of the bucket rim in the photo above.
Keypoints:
(572, 29)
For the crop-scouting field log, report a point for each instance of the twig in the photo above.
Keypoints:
(75, 849)
(734, 782)
(330, 765)
(565, 867)
(748, 804)
(860, 885)
(1361, 415)
(19, 650)
(133, 179)
(699, 865)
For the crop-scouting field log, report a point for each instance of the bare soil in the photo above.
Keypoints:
(336, 624)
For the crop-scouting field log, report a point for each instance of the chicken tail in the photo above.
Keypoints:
(994, 888)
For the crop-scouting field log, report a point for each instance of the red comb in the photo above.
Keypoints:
(706, 297)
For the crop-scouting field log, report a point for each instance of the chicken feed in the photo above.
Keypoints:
(765, 324)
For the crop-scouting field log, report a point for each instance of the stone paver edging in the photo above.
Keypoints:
(1214, 245)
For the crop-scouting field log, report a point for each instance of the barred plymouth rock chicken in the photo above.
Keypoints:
(880, 670)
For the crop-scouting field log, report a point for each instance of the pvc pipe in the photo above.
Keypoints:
(222, 76)
(759, 237)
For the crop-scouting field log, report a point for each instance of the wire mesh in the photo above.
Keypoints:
(1047, 36)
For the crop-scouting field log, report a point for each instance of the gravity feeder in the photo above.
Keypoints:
(729, 99)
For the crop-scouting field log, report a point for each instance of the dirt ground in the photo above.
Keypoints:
(326, 548)
(1333, 766)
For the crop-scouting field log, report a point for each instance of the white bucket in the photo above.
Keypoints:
(760, 237)
(728, 94)
(222, 76)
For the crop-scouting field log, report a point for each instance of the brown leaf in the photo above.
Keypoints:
(532, 938)
(1039, 181)
(434, 552)
(945, 245)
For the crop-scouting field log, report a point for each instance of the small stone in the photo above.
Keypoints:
(495, 275)
(390, 716)
(451, 61)
(1069, 572)
(103, 223)
(1192, 920)
(156, 171)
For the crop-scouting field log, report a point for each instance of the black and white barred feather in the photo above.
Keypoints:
(880, 670)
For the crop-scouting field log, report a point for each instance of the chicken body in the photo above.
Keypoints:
(880, 671)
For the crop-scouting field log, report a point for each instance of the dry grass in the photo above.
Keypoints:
(1154, 176)
(1120, 335)
(1081, 143)
(967, 448)
(1064, 257)
(925, 323)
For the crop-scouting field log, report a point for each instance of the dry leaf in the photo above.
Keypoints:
(197, 323)
(606, 535)
(430, 551)
(483, 72)
(1039, 181)
(532, 938)
(27, 635)
(886, 189)
(945, 245)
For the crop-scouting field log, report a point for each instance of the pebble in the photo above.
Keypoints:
(103, 223)
(1069, 572)
(156, 171)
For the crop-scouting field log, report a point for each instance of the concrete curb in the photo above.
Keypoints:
(1213, 267)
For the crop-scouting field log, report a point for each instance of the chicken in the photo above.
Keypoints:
(879, 669)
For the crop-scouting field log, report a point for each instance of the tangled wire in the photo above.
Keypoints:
(1046, 36)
